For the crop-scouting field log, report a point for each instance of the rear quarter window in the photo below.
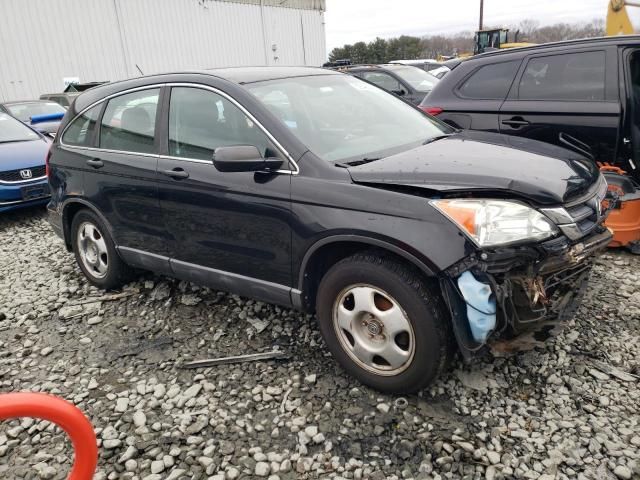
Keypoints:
(489, 82)
(80, 130)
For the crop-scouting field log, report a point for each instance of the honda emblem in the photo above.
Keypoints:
(26, 174)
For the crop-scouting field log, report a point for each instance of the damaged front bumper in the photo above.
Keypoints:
(533, 289)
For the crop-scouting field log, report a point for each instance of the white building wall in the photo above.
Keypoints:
(44, 41)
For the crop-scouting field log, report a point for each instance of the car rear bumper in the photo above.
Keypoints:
(533, 288)
(23, 194)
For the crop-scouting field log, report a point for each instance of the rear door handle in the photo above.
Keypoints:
(516, 122)
(176, 173)
(95, 163)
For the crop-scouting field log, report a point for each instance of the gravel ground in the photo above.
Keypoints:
(567, 410)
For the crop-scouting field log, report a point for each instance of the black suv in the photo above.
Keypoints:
(312, 189)
(406, 81)
(582, 94)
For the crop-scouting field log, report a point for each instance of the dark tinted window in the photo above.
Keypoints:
(490, 82)
(201, 121)
(575, 76)
(129, 121)
(80, 131)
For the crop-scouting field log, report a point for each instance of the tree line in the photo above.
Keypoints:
(408, 47)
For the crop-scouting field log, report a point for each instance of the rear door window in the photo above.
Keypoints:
(569, 77)
(490, 82)
(129, 122)
(80, 130)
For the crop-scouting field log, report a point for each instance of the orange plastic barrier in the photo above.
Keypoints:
(65, 415)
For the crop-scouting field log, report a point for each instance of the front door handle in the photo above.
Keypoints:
(516, 122)
(176, 173)
(95, 163)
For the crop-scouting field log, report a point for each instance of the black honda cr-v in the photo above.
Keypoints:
(313, 189)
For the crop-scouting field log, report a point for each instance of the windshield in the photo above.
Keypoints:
(420, 80)
(11, 130)
(339, 117)
(24, 111)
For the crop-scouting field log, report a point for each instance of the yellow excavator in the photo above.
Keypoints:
(618, 23)
(495, 39)
(618, 20)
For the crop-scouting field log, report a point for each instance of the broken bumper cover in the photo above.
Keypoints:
(534, 287)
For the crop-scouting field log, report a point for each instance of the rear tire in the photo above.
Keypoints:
(383, 323)
(96, 253)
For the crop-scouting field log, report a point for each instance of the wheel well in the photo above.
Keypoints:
(322, 259)
(70, 211)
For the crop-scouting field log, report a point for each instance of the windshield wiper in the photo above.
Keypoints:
(437, 137)
(355, 163)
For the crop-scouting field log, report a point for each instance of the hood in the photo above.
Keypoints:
(486, 162)
(16, 155)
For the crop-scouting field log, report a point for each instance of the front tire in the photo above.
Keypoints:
(383, 323)
(96, 253)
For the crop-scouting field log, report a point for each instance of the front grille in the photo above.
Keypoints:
(14, 175)
(585, 216)
(578, 219)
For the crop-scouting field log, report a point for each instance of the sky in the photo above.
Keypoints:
(349, 21)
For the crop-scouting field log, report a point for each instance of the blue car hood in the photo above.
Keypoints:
(16, 155)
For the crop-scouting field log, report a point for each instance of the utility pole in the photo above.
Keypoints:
(481, 14)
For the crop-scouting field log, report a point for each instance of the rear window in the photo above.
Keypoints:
(569, 77)
(382, 80)
(80, 130)
(420, 80)
(490, 82)
(24, 111)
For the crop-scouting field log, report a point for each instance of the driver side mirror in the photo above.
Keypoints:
(243, 158)
(400, 92)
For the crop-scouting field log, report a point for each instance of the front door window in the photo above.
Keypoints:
(201, 121)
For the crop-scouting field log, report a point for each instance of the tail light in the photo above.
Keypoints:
(431, 110)
(47, 169)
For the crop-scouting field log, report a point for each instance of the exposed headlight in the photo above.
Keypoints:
(496, 222)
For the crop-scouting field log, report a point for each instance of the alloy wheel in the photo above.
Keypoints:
(93, 250)
(373, 329)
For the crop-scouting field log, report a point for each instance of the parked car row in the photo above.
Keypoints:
(319, 191)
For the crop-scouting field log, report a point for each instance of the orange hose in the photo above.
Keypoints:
(67, 416)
